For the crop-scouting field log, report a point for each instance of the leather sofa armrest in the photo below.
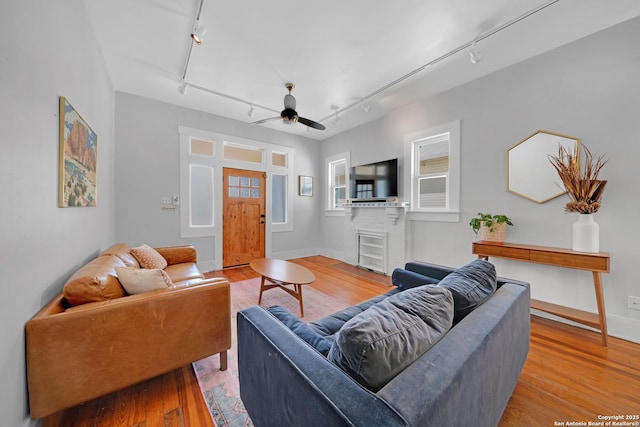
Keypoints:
(89, 351)
(178, 254)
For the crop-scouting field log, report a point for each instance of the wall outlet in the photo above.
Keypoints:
(634, 302)
(176, 200)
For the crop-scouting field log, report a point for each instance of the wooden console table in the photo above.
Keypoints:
(595, 262)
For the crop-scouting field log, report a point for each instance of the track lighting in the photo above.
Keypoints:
(198, 32)
(366, 106)
(250, 112)
(474, 55)
(182, 88)
(336, 119)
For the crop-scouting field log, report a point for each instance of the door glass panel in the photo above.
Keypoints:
(245, 187)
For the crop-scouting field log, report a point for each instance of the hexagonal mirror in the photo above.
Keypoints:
(529, 172)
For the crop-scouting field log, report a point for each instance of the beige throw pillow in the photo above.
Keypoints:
(149, 257)
(139, 280)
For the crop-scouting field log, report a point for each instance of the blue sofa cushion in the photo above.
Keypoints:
(377, 344)
(301, 329)
(329, 325)
(471, 285)
(405, 279)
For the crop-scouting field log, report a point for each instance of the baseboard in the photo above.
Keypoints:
(619, 327)
(295, 254)
(207, 265)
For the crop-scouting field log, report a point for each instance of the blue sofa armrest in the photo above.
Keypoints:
(468, 377)
(440, 271)
(285, 382)
(427, 269)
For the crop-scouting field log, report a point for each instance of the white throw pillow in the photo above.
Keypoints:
(139, 280)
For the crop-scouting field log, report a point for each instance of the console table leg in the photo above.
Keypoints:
(597, 282)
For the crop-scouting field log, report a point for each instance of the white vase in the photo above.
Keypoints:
(586, 234)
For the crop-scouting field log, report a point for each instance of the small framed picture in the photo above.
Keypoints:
(305, 185)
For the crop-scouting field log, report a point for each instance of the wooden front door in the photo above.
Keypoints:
(243, 220)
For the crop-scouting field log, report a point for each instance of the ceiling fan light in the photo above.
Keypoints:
(198, 33)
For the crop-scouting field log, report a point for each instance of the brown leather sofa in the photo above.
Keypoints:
(108, 340)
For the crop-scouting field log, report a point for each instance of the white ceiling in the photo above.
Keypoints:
(336, 52)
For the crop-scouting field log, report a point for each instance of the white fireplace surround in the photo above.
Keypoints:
(378, 230)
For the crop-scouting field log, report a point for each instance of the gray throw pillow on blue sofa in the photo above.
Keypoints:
(377, 344)
(471, 285)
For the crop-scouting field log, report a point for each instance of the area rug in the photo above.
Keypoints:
(220, 388)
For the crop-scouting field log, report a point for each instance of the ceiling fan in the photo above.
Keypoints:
(289, 114)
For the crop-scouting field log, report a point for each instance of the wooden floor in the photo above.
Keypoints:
(568, 376)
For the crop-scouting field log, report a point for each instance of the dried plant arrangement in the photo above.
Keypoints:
(584, 189)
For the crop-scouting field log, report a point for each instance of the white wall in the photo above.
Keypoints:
(47, 50)
(148, 166)
(588, 89)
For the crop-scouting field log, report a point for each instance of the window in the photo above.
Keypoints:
(432, 171)
(279, 199)
(197, 183)
(338, 179)
(243, 153)
(434, 175)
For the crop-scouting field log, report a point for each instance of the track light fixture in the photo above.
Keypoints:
(474, 54)
(182, 88)
(366, 106)
(336, 119)
(250, 112)
(198, 33)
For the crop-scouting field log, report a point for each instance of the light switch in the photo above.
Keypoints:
(166, 200)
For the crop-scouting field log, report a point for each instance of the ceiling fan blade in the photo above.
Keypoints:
(259, 122)
(311, 123)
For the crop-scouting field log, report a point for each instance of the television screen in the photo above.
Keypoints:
(374, 180)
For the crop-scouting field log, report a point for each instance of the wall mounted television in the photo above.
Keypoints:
(374, 181)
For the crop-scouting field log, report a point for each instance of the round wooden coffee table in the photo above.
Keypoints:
(282, 273)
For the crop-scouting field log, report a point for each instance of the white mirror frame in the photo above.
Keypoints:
(530, 174)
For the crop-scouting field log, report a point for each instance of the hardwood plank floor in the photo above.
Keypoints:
(568, 376)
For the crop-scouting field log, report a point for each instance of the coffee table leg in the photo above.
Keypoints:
(261, 289)
(299, 292)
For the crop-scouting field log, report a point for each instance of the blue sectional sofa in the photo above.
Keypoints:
(297, 374)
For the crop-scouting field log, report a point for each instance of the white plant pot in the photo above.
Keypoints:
(497, 235)
(586, 234)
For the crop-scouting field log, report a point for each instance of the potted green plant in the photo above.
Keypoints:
(491, 228)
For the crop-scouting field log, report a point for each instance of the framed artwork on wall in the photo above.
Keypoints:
(77, 175)
(305, 185)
